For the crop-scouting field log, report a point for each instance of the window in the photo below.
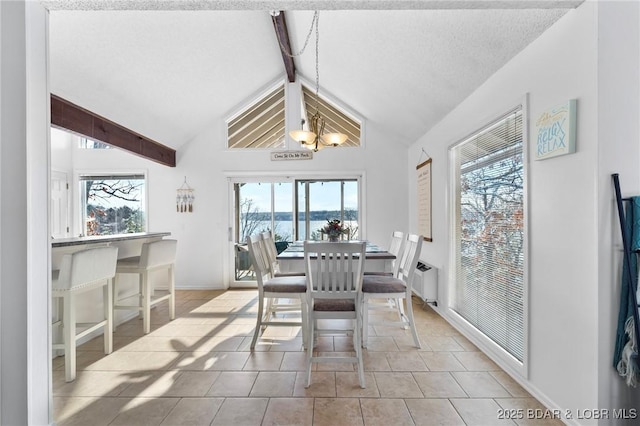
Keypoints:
(488, 230)
(91, 144)
(112, 204)
(261, 125)
(320, 200)
(336, 121)
(274, 204)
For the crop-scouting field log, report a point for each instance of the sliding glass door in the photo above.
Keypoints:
(322, 200)
(292, 209)
(260, 207)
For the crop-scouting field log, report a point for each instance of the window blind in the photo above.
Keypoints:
(489, 232)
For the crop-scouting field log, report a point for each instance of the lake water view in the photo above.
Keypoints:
(284, 229)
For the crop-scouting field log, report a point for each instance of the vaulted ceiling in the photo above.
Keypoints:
(170, 74)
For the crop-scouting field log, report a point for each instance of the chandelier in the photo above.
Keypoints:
(314, 137)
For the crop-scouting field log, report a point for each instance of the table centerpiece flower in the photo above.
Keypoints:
(334, 228)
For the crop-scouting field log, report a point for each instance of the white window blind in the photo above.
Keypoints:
(488, 232)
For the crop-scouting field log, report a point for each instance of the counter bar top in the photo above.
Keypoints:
(74, 241)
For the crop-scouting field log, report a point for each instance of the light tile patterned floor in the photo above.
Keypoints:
(198, 370)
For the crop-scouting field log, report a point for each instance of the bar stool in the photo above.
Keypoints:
(80, 272)
(155, 255)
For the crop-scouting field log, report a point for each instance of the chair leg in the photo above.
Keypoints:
(305, 320)
(69, 334)
(269, 311)
(365, 322)
(357, 333)
(146, 302)
(310, 335)
(401, 313)
(412, 322)
(108, 315)
(258, 321)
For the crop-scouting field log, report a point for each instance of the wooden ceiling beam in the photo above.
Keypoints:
(71, 117)
(284, 44)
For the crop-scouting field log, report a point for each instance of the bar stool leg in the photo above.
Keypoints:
(114, 302)
(108, 315)
(172, 290)
(146, 302)
(69, 334)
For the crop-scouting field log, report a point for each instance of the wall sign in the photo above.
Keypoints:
(291, 155)
(423, 175)
(556, 131)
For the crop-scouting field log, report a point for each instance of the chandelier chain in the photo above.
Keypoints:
(314, 22)
(317, 19)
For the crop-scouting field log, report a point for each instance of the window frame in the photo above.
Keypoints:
(249, 105)
(494, 350)
(254, 177)
(307, 182)
(292, 114)
(79, 228)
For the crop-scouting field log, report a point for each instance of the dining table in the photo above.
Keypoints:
(377, 259)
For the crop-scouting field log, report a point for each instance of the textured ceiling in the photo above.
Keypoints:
(170, 74)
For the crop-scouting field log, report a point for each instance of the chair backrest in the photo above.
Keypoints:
(334, 270)
(410, 258)
(158, 253)
(270, 251)
(86, 267)
(395, 247)
(259, 259)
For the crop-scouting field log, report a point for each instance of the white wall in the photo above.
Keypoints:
(203, 249)
(562, 209)
(619, 152)
(573, 263)
(61, 152)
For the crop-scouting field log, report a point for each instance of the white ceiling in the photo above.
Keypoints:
(170, 74)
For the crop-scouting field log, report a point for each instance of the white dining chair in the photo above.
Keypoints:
(275, 294)
(271, 252)
(79, 272)
(155, 256)
(397, 288)
(334, 278)
(395, 247)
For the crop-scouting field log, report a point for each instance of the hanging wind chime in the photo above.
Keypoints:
(185, 198)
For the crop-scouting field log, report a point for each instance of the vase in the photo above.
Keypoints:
(333, 238)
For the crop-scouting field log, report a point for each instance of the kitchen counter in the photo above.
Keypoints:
(102, 239)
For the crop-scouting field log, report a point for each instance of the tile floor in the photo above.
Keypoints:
(198, 370)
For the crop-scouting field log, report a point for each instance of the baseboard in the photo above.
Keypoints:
(547, 402)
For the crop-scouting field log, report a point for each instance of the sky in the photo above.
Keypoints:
(324, 195)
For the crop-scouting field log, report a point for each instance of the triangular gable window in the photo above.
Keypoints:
(261, 125)
(336, 121)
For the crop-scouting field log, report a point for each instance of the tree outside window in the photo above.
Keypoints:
(113, 205)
